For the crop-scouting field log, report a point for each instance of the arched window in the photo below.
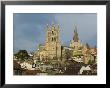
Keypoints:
(52, 32)
(52, 38)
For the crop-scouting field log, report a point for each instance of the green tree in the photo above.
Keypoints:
(90, 62)
(22, 55)
(67, 54)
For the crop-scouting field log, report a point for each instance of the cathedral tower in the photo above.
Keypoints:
(52, 43)
(75, 43)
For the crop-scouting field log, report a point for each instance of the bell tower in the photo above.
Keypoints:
(52, 34)
(53, 45)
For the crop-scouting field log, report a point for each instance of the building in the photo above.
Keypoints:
(53, 45)
(17, 68)
(52, 58)
(51, 49)
(75, 43)
(85, 70)
(77, 47)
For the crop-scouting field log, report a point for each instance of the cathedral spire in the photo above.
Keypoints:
(75, 37)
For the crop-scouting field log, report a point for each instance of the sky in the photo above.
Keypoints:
(29, 29)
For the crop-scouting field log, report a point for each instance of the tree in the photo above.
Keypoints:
(67, 54)
(22, 55)
(90, 62)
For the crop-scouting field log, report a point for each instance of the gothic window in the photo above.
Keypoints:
(52, 38)
(52, 32)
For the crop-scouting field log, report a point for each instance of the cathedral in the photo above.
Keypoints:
(52, 43)
(53, 58)
(75, 43)
(53, 50)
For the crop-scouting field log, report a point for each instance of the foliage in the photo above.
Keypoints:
(67, 54)
(22, 55)
(90, 62)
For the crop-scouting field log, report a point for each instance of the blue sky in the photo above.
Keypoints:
(30, 28)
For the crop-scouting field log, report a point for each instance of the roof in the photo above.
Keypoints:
(83, 68)
(32, 72)
(67, 47)
(94, 66)
(75, 37)
(16, 65)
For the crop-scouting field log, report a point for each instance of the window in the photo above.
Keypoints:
(52, 32)
(52, 38)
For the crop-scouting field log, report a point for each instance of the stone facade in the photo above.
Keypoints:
(53, 50)
(75, 43)
(52, 46)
